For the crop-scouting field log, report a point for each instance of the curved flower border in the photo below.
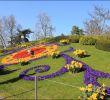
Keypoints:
(52, 75)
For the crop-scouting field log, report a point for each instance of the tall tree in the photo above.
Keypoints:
(76, 31)
(2, 34)
(44, 26)
(10, 24)
(97, 24)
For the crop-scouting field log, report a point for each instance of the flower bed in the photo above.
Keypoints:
(90, 75)
(24, 55)
(74, 66)
(52, 75)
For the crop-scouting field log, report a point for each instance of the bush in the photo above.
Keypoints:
(64, 41)
(80, 53)
(103, 45)
(54, 54)
(2, 50)
(87, 40)
(24, 63)
(75, 38)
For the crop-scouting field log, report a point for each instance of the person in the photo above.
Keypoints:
(32, 52)
(28, 50)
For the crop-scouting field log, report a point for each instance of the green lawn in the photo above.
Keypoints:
(63, 87)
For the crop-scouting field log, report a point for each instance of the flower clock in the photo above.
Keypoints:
(24, 55)
(73, 65)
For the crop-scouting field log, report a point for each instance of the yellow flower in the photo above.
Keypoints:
(76, 64)
(82, 89)
(102, 97)
(89, 89)
(89, 98)
(103, 85)
(103, 93)
(90, 85)
(80, 65)
(73, 62)
(98, 90)
(72, 66)
(94, 96)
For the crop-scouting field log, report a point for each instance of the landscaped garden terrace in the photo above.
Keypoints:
(64, 70)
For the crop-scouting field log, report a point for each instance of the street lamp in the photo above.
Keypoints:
(36, 87)
(22, 37)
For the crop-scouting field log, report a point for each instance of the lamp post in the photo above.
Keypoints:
(22, 37)
(36, 87)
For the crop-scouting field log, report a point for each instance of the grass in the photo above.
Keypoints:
(11, 87)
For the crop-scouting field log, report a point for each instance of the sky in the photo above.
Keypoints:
(63, 14)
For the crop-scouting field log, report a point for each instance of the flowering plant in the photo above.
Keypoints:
(91, 92)
(54, 54)
(80, 53)
(74, 66)
(64, 41)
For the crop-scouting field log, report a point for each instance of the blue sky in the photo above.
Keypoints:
(63, 14)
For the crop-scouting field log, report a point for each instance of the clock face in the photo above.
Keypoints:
(26, 54)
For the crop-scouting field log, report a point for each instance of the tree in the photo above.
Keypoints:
(76, 31)
(2, 35)
(97, 24)
(10, 26)
(44, 26)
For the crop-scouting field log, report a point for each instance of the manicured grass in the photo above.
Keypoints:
(62, 87)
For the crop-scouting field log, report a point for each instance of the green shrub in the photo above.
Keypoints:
(87, 40)
(103, 44)
(64, 41)
(74, 38)
(1, 50)
(24, 63)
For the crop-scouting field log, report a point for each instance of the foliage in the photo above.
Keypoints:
(97, 24)
(1, 50)
(76, 31)
(80, 53)
(74, 38)
(24, 63)
(87, 40)
(74, 66)
(91, 92)
(54, 54)
(25, 44)
(103, 44)
(57, 38)
(64, 41)
(44, 26)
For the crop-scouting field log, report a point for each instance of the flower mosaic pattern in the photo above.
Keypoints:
(90, 75)
(23, 55)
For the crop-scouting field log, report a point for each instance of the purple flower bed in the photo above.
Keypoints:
(52, 75)
(71, 49)
(9, 52)
(27, 77)
(91, 76)
(42, 68)
(61, 44)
